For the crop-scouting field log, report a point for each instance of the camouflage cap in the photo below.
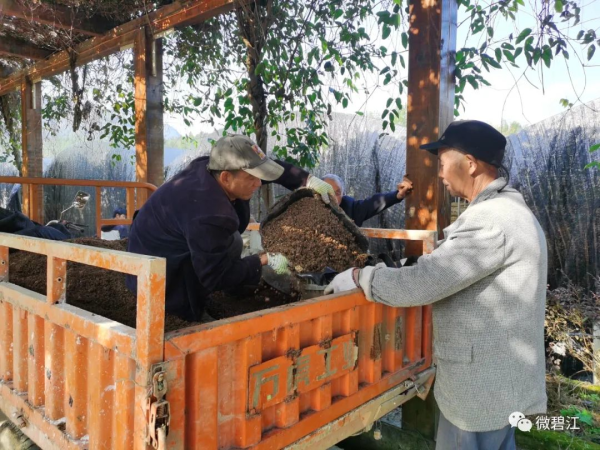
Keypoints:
(238, 152)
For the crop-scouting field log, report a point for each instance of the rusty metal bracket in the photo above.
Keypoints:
(159, 417)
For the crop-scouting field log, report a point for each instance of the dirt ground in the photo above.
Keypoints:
(312, 238)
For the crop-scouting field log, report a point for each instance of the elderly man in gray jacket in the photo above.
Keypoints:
(487, 283)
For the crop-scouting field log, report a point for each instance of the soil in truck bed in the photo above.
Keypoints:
(310, 235)
(247, 299)
(103, 292)
(99, 291)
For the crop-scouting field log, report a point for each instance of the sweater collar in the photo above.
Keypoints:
(490, 191)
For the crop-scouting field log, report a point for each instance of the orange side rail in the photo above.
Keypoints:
(72, 378)
(313, 371)
(29, 198)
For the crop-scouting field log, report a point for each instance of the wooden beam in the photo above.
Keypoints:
(166, 18)
(31, 112)
(155, 140)
(57, 16)
(22, 49)
(149, 140)
(432, 46)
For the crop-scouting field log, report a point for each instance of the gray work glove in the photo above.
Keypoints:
(320, 187)
(278, 263)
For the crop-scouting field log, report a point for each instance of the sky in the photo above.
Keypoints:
(528, 103)
(511, 97)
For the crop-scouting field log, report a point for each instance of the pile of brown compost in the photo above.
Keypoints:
(246, 299)
(99, 291)
(312, 237)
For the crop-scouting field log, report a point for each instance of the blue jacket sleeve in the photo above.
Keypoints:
(361, 210)
(209, 243)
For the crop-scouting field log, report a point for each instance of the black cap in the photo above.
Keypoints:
(473, 137)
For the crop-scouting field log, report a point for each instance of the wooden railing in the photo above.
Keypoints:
(63, 369)
(134, 199)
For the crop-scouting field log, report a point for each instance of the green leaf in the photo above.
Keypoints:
(260, 68)
(386, 32)
(558, 6)
(518, 51)
(473, 82)
(389, 102)
(490, 32)
(345, 102)
(385, 113)
(591, 51)
(594, 148)
(405, 40)
(594, 164)
(509, 56)
(526, 32)
(498, 54)
(547, 56)
(337, 14)
(492, 62)
(398, 21)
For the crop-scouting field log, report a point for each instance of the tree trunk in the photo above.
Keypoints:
(9, 105)
(254, 22)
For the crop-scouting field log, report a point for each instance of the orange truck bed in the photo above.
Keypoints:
(302, 375)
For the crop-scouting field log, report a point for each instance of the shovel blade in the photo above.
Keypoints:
(283, 283)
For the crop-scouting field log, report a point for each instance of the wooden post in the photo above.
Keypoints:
(432, 44)
(430, 109)
(31, 113)
(149, 127)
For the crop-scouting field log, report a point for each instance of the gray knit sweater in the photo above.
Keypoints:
(487, 283)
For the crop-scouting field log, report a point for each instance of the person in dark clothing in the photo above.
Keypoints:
(361, 210)
(195, 221)
(118, 213)
(18, 223)
(14, 201)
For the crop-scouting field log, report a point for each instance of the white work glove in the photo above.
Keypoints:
(352, 279)
(342, 282)
(278, 263)
(320, 187)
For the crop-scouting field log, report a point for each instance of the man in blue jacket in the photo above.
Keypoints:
(195, 220)
(361, 210)
(118, 213)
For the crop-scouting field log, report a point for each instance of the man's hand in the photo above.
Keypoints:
(277, 262)
(405, 187)
(320, 187)
(344, 281)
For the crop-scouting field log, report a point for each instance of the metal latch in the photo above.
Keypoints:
(418, 387)
(159, 417)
